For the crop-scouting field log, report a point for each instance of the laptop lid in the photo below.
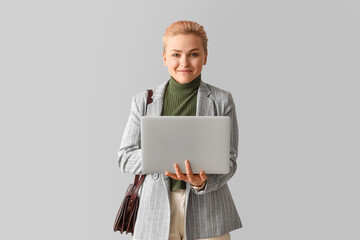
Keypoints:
(203, 140)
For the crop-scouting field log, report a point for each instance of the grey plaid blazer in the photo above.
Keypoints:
(210, 212)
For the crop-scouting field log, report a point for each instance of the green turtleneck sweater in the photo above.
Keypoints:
(180, 100)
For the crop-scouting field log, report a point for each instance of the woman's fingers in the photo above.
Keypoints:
(189, 172)
(196, 179)
(172, 175)
(178, 172)
(203, 175)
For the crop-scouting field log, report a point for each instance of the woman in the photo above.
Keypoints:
(182, 205)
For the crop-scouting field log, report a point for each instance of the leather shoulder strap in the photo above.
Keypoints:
(149, 99)
(138, 180)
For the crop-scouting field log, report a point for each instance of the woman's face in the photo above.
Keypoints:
(184, 57)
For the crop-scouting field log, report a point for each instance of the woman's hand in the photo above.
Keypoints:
(194, 179)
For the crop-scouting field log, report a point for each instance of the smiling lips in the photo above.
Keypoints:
(185, 71)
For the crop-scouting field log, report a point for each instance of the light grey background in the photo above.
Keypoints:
(68, 71)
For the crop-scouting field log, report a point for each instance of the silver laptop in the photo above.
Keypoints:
(203, 140)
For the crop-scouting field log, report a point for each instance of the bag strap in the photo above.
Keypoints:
(138, 180)
(149, 99)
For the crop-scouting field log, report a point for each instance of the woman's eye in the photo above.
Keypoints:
(191, 54)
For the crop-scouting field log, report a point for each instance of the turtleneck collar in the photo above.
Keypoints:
(194, 84)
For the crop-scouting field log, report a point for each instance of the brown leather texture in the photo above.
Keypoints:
(126, 216)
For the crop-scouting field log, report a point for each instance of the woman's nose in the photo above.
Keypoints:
(184, 61)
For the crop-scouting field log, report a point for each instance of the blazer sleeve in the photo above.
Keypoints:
(216, 181)
(129, 152)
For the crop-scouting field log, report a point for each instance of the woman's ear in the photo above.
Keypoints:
(164, 58)
(205, 59)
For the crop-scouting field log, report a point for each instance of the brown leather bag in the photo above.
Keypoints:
(126, 216)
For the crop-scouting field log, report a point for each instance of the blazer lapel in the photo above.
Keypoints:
(155, 108)
(205, 105)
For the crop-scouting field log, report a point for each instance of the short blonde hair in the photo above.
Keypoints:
(185, 27)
